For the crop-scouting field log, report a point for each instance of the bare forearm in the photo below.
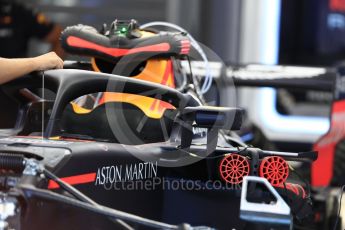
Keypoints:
(13, 68)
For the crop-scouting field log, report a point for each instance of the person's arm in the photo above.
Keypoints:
(11, 69)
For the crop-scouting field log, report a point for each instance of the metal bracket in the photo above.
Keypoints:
(277, 213)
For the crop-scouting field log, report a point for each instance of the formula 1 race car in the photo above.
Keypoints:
(144, 152)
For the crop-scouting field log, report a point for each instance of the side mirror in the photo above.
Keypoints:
(212, 118)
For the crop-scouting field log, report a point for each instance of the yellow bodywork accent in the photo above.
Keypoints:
(79, 110)
(152, 108)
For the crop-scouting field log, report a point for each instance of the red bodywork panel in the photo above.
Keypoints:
(322, 168)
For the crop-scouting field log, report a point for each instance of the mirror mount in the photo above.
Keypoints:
(211, 118)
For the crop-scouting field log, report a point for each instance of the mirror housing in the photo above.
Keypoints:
(227, 118)
(212, 118)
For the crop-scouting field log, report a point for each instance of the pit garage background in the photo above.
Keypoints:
(241, 32)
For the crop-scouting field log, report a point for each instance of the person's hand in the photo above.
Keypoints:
(48, 61)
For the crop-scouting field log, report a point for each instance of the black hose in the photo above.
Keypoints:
(73, 191)
(13, 162)
(99, 209)
(80, 196)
